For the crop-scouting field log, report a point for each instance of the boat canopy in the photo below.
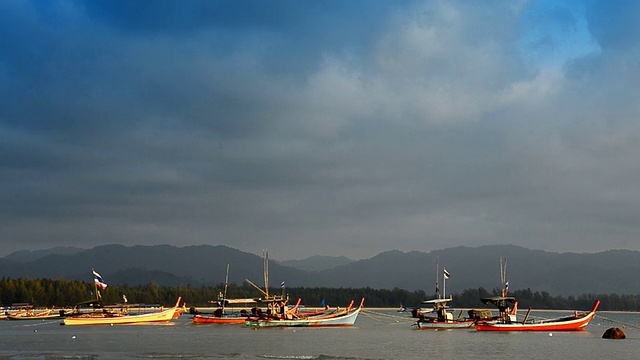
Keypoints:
(498, 299)
(90, 303)
(239, 301)
(437, 301)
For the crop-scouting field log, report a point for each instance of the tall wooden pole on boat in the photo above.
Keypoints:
(437, 272)
(265, 256)
(444, 285)
(503, 280)
(503, 275)
(226, 284)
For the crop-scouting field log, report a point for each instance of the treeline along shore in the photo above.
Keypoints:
(64, 293)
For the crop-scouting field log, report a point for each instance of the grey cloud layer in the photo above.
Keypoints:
(334, 129)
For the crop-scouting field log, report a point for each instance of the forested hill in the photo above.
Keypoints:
(609, 272)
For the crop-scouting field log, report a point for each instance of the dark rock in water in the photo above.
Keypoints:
(614, 333)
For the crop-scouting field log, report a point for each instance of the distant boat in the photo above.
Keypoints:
(31, 313)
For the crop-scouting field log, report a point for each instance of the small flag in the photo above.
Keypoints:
(506, 289)
(124, 298)
(446, 274)
(282, 284)
(97, 279)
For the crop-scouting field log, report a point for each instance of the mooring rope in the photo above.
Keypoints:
(378, 316)
(37, 323)
(624, 324)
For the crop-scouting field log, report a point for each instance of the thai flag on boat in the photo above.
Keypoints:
(282, 284)
(506, 288)
(97, 279)
(446, 274)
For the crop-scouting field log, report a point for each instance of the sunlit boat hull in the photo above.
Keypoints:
(155, 317)
(572, 323)
(345, 318)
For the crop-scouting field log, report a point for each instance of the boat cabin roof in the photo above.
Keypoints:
(437, 301)
(498, 299)
(239, 301)
(90, 303)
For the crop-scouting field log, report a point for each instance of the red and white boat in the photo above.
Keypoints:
(574, 322)
(507, 318)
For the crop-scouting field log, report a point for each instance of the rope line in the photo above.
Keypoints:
(380, 316)
(624, 324)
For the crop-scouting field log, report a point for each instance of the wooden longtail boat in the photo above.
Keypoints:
(111, 319)
(443, 319)
(507, 319)
(346, 317)
(575, 322)
(221, 316)
(223, 320)
(439, 318)
(32, 315)
(272, 310)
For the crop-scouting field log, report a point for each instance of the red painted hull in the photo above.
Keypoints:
(574, 323)
(218, 320)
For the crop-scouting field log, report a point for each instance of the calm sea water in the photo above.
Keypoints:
(377, 335)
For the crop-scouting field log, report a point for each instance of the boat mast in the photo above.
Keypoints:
(503, 276)
(226, 284)
(437, 271)
(444, 285)
(265, 257)
(504, 282)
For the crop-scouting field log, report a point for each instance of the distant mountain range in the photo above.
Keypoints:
(609, 272)
(317, 263)
(26, 255)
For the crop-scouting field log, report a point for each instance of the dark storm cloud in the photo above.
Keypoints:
(323, 127)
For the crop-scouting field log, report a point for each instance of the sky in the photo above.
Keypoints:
(340, 128)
